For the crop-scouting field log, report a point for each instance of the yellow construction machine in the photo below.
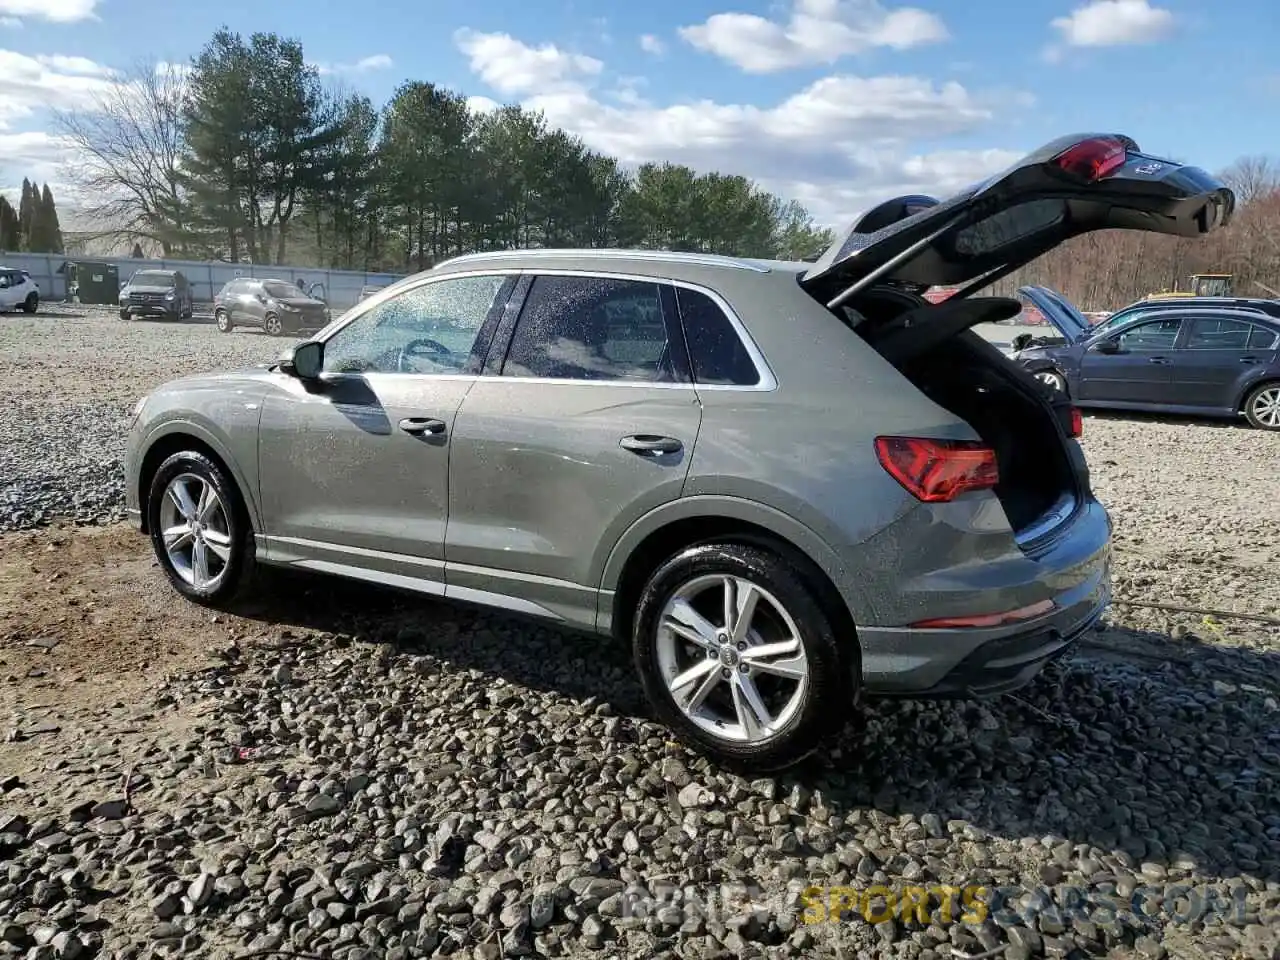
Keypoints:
(1202, 285)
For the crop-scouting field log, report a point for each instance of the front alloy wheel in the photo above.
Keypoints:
(1053, 380)
(199, 528)
(738, 655)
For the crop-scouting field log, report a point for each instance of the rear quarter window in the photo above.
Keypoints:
(1262, 338)
(716, 352)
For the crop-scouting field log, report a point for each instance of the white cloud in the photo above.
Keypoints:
(1106, 23)
(378, 61)
(56, 11)
(40, 157)
(838, 145)
(31, 84)
(511, 67)
(10, 23)
(816, 32)
(482, 104)
(650, 43)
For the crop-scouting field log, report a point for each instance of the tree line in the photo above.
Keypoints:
(34, 226)
(248, 154)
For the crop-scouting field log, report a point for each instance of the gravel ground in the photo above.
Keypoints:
(343, 772)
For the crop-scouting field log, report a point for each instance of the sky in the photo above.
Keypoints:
(836, 103)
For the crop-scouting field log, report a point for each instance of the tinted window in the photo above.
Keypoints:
(1152, 335)
(1262, 339)
(428, 329)
(591, 328)
(716, 352)
(1209, 333)
(276, 288)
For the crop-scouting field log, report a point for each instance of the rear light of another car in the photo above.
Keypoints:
(1077, 423)
(938, 471)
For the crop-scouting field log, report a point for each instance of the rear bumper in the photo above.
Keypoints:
(1075, 574)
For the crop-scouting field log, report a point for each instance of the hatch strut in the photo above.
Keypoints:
(894, 261)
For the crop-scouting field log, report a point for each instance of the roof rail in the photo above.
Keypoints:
(659, 256)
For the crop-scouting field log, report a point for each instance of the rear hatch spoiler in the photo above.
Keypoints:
(1071, 186)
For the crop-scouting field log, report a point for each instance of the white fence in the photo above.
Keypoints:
(341, 288)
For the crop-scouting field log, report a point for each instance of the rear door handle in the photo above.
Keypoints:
(1248, 359)
(650, 446)
(1157, 360)
(418, 426)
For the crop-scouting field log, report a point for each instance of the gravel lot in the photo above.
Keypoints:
(343, 772)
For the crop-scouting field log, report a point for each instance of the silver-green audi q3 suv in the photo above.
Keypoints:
(786, 485)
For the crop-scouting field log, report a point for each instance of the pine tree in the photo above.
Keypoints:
(27, 213)
(10, 229)
(46, 231)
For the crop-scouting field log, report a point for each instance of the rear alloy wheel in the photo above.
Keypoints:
(738, 657)
(272, 325)
(223, 320)
(200, 530)
(31, 304)
(1053, 380)
(1262, 408)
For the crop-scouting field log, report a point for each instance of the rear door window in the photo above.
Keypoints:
(592, 328)
(1216, 333)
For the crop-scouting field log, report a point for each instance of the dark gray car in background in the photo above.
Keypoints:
(277, 307)
(785, 485)
(1179, 357)
(157, 294)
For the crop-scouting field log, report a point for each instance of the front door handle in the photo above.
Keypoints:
(650, 446)
(1157, 360)
(1248, 359)
(419, 426)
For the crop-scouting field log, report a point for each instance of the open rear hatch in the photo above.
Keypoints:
(874, 275)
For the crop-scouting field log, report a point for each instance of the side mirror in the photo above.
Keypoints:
(1107, 346)
(303, 360)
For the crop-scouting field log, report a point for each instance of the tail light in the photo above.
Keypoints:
(1093, 159)
(1077, 422)
(938, 471)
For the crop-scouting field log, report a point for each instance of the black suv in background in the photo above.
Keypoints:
(276, 306)
(157, 293)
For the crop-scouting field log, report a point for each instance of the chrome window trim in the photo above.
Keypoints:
(767, 383)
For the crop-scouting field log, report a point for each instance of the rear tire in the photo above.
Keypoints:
(124, 315)
(223, 320)
(711, 682)
(31, 304)
(272, 325)
(200, 529)
(1262, 406)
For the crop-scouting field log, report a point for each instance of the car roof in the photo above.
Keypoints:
(644, 262)
(1221, 312)
(1202, 303)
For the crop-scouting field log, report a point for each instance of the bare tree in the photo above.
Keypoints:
(1252, 177)
(127, 151)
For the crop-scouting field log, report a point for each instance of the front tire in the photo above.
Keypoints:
(1262, 406)
(1052, 379)
(200, 529)
(31, 304)
(738, 656)
(223, 320)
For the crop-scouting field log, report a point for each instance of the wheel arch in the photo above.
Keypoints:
(687, 522)
(1247, 392)
(189, 436)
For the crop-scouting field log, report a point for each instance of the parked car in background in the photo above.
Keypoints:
(165, 294)
(783, 484)
(1180, 356)
(18, 291)
(1097, 324)
(277, 306)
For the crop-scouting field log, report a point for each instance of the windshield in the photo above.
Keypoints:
(281, 290)
(157, 277)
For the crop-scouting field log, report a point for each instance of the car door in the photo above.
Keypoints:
(583, 426)
(1131, 365)
(354, 470)
(1214, 363)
